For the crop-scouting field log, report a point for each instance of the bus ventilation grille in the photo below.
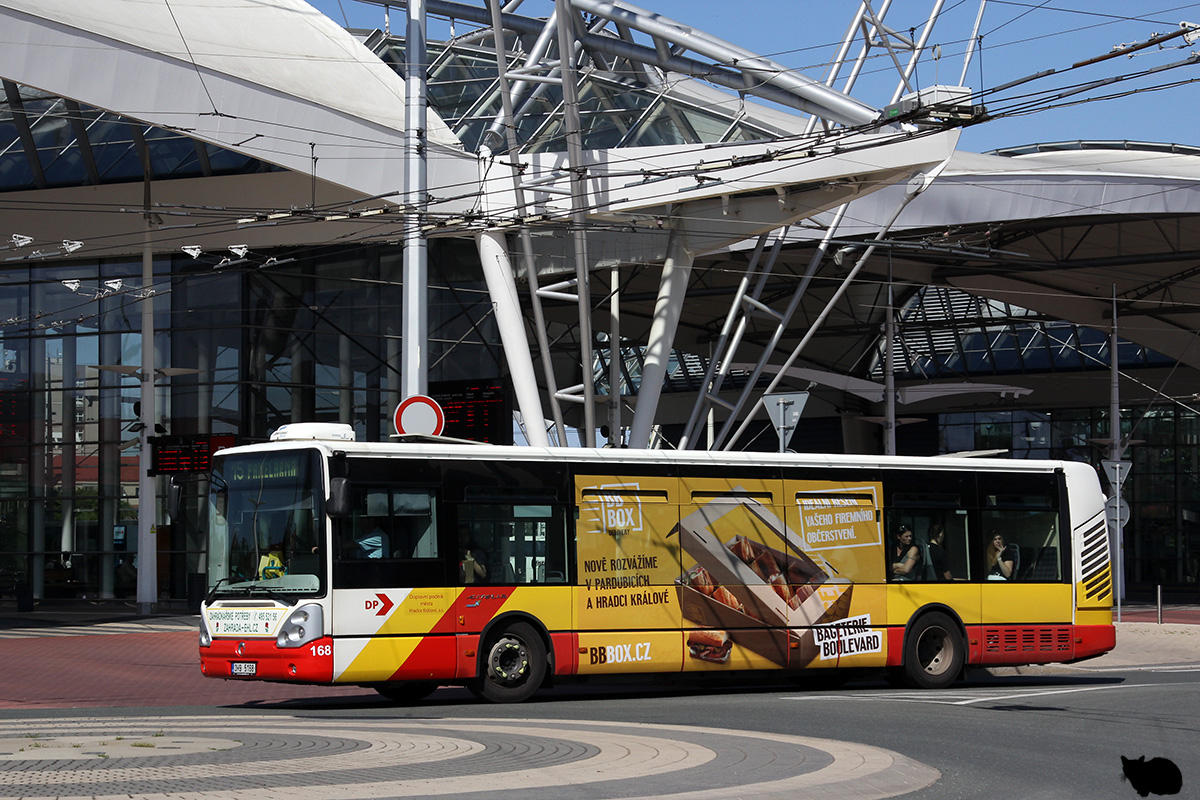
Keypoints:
(1027, 640)
(1094, 563)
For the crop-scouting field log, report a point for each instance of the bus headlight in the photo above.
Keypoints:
(205, 636)
(302, 626)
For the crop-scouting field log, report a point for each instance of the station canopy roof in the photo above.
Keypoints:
(1006, 266)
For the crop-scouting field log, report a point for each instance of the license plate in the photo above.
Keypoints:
(245, 668)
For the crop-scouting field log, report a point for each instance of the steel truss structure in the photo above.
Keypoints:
(566, 54)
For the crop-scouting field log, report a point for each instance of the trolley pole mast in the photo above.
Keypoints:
(414, 374)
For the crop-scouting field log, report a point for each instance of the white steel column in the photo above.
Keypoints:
(414, 374)
(506, 122)
(497, 271)
(677, 269)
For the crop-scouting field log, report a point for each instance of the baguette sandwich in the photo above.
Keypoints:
(711, 646)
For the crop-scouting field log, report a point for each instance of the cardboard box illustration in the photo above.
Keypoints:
(764, 598)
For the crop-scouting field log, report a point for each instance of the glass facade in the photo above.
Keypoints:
(945, 333)
(48, 141)
(1162, 539)
(312, 339)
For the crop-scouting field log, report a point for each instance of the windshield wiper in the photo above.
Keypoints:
(208, 598)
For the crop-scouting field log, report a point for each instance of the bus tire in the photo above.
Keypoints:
(933, 652)
(514, 665)
(406, 691)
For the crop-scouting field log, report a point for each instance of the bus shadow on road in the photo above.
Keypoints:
(599, 690)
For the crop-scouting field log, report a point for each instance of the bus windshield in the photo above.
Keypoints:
(264, 525)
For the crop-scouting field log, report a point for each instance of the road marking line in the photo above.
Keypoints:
(1146, 668)
(1047, 692)
(992, 695)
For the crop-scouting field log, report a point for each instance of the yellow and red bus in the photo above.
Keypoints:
(411, 565)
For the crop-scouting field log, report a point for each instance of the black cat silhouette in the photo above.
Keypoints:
(1156, 776)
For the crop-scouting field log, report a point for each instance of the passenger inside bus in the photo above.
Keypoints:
(371, 541)
(471, 568)
(1000, 558)
(906, 556)
(939, 564)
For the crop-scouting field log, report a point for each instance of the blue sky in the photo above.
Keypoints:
(1019, 38)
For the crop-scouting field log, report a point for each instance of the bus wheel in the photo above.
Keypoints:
(933, 652)
(514, 667)
(406, 691)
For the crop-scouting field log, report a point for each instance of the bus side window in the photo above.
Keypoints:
(414, 532)
(388, 522)
(1030, 540)
(1022, 529)
(512, 543)
(389, 539)
(940, 534)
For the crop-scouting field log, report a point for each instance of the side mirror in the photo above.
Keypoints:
(174, 498)
(338, 504)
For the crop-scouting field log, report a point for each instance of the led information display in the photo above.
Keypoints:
(171, 454)
(475, 410)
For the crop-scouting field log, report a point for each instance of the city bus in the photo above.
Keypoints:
(409, 565)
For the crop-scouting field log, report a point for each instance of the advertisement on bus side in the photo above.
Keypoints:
(750, 574)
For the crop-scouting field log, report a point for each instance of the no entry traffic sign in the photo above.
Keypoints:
(419, 414)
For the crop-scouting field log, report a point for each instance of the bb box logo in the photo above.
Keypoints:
(620, 508)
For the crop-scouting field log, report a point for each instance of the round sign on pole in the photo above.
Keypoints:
(419, 414)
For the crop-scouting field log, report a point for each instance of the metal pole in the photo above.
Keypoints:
(414, 375)
(783, 424)
(571, 130)
(614, 357)
(147, 552)
(962, 80)
(889, 367)
(1115, 450)
(1160, 604)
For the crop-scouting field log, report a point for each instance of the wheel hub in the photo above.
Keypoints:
(932, 651)
(509, 661)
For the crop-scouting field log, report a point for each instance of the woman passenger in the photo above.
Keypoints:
(999, 560)
(906, 556)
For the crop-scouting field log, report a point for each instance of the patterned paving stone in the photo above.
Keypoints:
(301, 758)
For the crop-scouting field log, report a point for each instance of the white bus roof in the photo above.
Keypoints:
(455, 449)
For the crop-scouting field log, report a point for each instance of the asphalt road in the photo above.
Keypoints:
(1057, 732)
(1052, 736)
